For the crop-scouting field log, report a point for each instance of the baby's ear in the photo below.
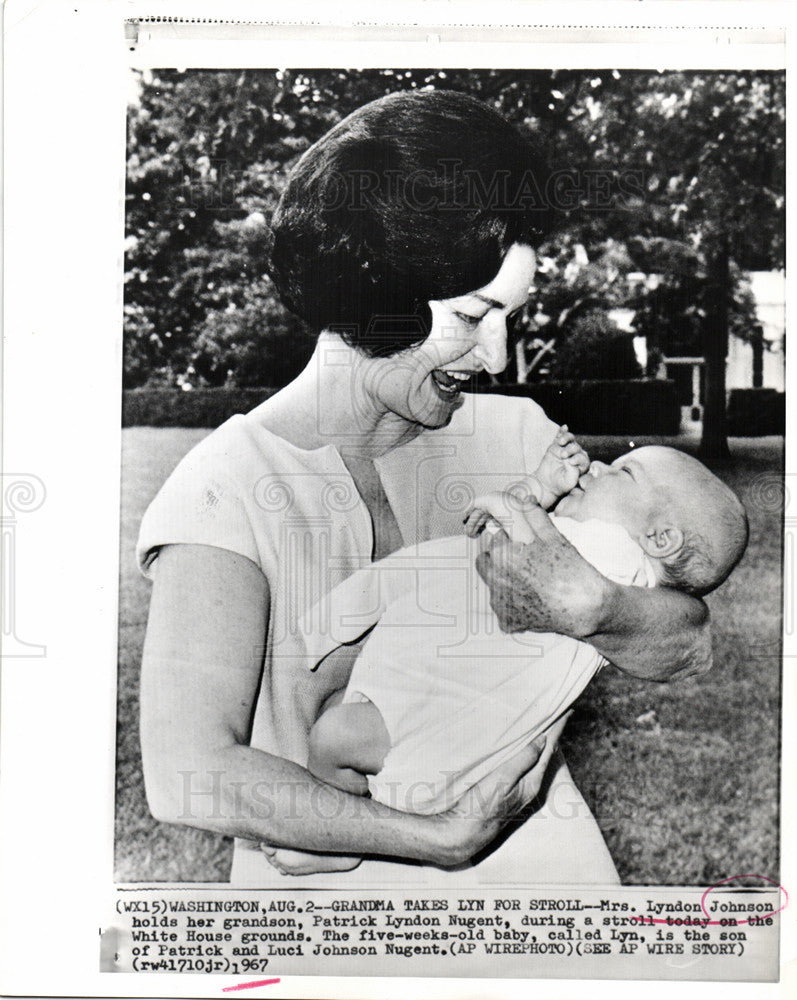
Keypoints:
(662, 541)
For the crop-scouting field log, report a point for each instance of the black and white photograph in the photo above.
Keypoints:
(398, 510)
(449, 396)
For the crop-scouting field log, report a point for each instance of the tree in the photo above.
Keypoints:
(678, 174)
(711, 149)
(569, 331)
(208, 151)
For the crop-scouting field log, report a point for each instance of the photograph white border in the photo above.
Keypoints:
(65, 86)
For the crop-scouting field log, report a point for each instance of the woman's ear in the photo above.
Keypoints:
(662, 540)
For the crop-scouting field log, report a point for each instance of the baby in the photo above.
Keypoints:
(439, 697)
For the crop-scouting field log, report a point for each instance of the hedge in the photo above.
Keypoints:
(197, 408)
(642, 406)
(756, 412)
(634, 406)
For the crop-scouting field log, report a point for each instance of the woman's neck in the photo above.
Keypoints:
(329, 403)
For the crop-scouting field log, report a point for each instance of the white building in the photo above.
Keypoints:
(751, 364)
(749, 368)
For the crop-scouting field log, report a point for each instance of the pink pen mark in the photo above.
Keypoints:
(764, 878)
(731, 921)
(249, 986)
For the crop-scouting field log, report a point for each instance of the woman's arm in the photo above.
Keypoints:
(201, 671)
(657, 634)
(548, 587)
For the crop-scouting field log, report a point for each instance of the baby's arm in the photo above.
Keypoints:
(347, 742)
(564, 462)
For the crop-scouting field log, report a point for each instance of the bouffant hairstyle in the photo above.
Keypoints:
(414, 197)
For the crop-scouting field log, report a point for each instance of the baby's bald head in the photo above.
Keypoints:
(712, 520)
(686, 519)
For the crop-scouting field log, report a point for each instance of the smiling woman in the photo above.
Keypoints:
(468, 334)
(405, 239)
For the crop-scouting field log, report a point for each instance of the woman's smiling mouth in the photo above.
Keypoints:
(450, 383)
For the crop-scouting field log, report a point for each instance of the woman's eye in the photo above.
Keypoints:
(467, 319)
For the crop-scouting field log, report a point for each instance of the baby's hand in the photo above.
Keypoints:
(501, 510)
(562, 466)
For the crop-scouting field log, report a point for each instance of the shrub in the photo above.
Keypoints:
(634, 406)
(594, 348)
(756, 412)
(258, 343)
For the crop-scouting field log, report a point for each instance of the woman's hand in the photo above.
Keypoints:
(480, 815)
(544, 586)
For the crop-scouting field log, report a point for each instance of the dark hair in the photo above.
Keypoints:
(414, 197)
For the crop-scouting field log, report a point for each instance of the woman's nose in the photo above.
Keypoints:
(491, 347)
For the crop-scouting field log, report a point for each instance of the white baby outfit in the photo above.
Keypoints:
(458, 696)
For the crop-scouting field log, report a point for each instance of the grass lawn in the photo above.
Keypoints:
(682, 778)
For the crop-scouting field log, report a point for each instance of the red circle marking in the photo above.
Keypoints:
(732, 878)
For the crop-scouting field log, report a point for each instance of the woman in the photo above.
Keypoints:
(405, 239)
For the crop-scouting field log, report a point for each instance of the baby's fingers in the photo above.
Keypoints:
(581, 461)
(563, 435)
(571, 448)
(475, 522)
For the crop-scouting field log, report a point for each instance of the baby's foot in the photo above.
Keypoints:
(290, 862)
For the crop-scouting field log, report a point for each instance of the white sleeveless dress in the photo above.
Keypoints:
(298, 516)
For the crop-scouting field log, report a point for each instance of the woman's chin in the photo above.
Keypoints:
(438, 411)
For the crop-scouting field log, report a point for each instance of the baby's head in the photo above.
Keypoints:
(690, 523)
